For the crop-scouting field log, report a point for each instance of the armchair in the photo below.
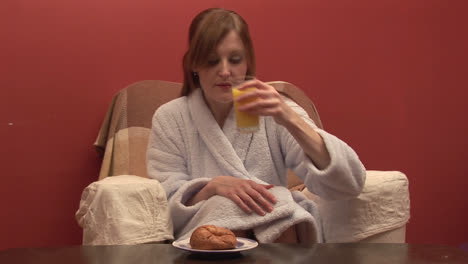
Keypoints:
(129, 208)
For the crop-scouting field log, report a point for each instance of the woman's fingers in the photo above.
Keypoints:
(261, 201)
(268, 101)
(247, 194)
(248, 204)
(236, 199)
(263, 190)
(262, 90)
(252, 83)
(264, 107)
(251, 203)
(260, 196)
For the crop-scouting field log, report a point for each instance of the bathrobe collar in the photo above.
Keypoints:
(228, 146)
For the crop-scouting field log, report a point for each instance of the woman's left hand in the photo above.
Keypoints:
(268, 101)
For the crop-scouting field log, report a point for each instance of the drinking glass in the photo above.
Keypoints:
(246, 123)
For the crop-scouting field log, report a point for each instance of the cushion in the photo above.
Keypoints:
(124, 210)
(383, 205)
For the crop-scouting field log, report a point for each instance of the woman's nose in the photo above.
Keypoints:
(225, 69)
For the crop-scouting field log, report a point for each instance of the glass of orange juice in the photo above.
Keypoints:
(246, 123)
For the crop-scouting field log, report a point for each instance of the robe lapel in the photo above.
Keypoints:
(239, 141)
(222, 146)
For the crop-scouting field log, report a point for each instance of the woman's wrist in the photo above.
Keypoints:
(288, 117)
(209, 189)
(204, 194)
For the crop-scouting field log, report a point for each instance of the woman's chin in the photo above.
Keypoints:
(225, 98)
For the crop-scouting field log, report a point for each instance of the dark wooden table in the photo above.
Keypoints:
(265, 253)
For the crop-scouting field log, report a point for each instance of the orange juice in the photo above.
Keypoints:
(246, 122)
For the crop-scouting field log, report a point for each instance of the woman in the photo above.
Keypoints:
(212, 174)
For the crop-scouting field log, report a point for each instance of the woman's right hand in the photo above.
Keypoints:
(247, 194)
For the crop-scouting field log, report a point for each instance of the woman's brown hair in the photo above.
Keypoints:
(207, 29)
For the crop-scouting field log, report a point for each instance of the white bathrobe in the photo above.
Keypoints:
(187, 148)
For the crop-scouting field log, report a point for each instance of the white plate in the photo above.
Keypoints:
(242, 245)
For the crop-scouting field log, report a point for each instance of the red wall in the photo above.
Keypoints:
(386, 76)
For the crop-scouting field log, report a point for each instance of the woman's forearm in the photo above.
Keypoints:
(204, 194)
(309, 140)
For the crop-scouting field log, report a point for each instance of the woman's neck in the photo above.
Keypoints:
(220, 111)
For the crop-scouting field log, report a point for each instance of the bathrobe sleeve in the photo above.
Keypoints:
(343, 178)
(168, 161)
(167, 155)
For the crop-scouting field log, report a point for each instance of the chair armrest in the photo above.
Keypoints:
(124, 210)
(383, 205)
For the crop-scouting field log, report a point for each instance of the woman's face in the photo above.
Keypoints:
(227, 63)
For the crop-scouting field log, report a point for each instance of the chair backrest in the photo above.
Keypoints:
(123, 137)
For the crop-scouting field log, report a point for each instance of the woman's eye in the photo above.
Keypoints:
(236, 60)
(213, 62)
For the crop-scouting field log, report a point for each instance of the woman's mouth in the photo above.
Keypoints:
(224, 85)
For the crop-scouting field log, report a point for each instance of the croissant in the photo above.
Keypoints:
(211, 237)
